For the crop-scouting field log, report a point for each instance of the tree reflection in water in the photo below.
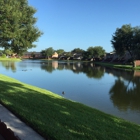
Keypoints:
(125, 93)
(87, 68)
(9, 65)
(47, 66)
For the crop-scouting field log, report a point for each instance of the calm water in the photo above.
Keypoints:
(113, 91)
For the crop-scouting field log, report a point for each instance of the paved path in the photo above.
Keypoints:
(18, 127)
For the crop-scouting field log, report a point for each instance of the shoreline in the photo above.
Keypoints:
(113, 65)
(120, 66)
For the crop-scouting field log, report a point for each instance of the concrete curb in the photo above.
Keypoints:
(19, 128)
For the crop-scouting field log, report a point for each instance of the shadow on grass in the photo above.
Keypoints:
(55, 117)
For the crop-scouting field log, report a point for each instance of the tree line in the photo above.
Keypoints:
(91, 52)
(18, 33)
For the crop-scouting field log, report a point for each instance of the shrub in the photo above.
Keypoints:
(3, 56)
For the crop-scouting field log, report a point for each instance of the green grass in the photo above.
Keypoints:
(57, 118)
(130, 67)
(10, 59)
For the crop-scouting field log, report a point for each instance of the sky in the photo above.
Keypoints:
(70, 24)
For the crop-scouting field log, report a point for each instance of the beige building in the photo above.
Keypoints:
(55, 55)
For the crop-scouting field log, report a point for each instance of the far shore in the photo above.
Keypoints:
(120, 66)
(10, 59)
(107, 64)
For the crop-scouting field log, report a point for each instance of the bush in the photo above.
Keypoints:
(3, 56)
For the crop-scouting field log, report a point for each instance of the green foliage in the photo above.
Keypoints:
(8, 52)
(17, 29)
(33, 54)
(49, 52)
(127, 38)
(95, 52)
(9, 59)
(86, 55)
(119, 66)
(1, 52)
(3, 56)
(77, 50)
(68, 54)
(60, 51)
(43, 53)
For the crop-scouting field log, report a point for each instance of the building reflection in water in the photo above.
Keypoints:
(55, 64)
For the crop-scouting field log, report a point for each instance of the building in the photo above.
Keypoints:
(36, 55)
(32, 55)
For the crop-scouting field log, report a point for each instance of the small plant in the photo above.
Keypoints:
(3, 56)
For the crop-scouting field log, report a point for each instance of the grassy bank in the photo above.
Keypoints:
(10, 59)
(60, 119)
(120, 66)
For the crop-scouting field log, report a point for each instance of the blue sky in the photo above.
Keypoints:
(69, 24)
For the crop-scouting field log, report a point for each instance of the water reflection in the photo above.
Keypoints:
(94, 71)
(89, 69)
(9, 65)
(113, 91)
(48, 66)
(125, 92)
(125, 95)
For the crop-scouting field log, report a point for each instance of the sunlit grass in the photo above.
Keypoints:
(57, 118)
(122, 66)
(10, 59)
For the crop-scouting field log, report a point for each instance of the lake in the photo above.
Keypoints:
(113, 91)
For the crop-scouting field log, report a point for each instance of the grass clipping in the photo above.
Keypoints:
(57, 118)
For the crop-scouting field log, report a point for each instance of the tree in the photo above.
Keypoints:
(68, 54)
(1, 52)
(77, 50)
(33, 54)
(86, 55)
(96, 51)
(17, 26)
(49, 52)
(43, 53)
(60, 51)
(8, 52)
(136, 42)
(127, 38)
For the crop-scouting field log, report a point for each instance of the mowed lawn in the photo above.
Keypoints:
(57, 118)
(10, 59)
(120, 66)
